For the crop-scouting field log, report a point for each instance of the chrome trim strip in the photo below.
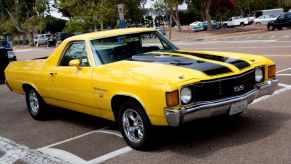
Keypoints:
(219, 102)
(217, 107)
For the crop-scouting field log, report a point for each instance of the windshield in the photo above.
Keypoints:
(123, 47)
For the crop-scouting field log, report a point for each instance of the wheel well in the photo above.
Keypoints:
(26, 87)
(118, 100)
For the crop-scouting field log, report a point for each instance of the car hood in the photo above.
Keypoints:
(181, 66)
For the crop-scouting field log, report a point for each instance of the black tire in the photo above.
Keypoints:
(271, 28)
(225, 26)
(146, 141)
(280, 28)
(258, 23)
(35, 104)
(242, 24)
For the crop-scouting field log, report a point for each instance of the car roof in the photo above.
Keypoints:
(108, 33)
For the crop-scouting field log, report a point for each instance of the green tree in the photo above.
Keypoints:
(171, 6)
(27, 16)
(98, 13)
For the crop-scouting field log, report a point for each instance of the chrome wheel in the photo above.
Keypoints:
(33, 101)
(133, 126)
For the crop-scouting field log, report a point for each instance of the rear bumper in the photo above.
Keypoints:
(218, 107)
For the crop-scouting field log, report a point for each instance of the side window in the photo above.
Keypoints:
(76, 50)
(281, 17)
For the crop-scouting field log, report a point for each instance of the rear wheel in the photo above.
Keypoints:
(135, 126)
(258, 23)
(271, 28)
(280, 28)
(35, 104)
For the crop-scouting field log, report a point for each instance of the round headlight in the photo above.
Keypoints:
(259, 74)
(186, 95)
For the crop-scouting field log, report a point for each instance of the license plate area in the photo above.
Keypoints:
(238, 107)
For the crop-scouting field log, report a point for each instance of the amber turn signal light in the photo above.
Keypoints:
(272, 71)
(172, 98)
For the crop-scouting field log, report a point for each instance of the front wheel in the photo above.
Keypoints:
(271, 28)
(35, 104)
(135, 126)
(242, 24)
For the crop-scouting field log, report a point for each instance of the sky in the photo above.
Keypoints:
(54, 12)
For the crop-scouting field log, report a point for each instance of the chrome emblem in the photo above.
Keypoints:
(238, 88)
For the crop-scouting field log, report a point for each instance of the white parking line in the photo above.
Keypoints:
(23, 50)
(14, 152)
(72, 158)
(283, 74)
(286, 88)
(284, 85)
(284, 70)
(223, 41)
(111, 155)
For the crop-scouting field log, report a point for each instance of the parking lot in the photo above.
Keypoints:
(261, 135)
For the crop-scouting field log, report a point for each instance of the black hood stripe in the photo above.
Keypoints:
(240, 64)
(208, 68)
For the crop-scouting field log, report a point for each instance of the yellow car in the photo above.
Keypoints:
(140, 79)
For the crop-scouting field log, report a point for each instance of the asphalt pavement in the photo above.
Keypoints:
(261, 135)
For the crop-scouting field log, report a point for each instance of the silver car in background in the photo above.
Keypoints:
(264, 19)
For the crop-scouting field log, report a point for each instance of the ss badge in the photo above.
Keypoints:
(238, 88)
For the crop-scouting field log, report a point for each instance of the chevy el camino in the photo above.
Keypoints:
(140, 79)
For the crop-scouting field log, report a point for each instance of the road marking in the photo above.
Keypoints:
(14, 152)
(23, 50)
(286, 88)
(72, 158)
(278, 55)
(111, 155)
(64, 155)
(232, 42)
(32, 49)
(283, 85)
(283, 74)
(283, 70)
(76, 137)
(285, 36)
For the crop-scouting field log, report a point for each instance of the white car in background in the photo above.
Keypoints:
(264, 19)
(40, 39)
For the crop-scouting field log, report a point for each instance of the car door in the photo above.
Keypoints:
(265, 19)
(70, 83)
(288, 19)
(281, 21)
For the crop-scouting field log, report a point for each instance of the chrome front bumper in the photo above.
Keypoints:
(217, 107)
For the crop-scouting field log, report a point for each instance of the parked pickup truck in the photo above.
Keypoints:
(139, 81)
(237, 21)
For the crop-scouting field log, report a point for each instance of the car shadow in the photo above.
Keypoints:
(201, 138)
(197, 139)
(77, 118)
